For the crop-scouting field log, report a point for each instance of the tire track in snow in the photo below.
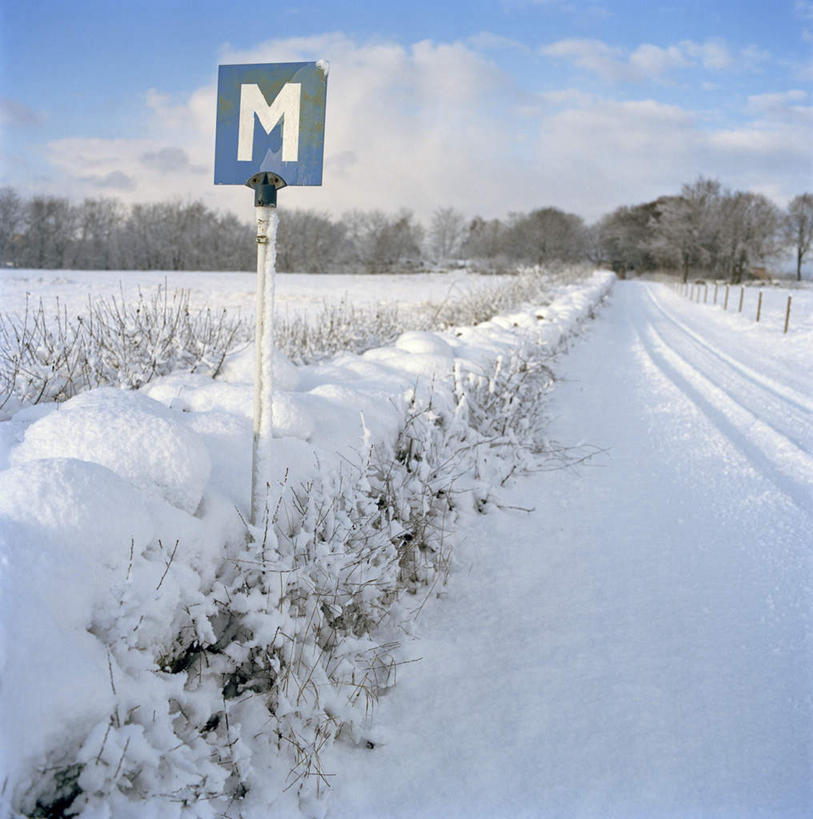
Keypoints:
(770, 452)
(786, 421)
(783, 391)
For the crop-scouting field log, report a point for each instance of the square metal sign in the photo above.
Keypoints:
(270, 117)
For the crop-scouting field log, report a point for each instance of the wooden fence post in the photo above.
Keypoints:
(759, 305)
(725, 306)
(742, 296)
(715, 292)
(787, 315)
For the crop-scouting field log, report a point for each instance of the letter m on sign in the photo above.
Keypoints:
(270, 117)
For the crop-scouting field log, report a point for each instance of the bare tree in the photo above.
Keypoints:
(483, 239)
(12, 211)
(446, 232)
(232, 244)
(749, 233)
(308, 242)
(797, 228)
(685, 229)
(623, 238)
(380, 242)
(546, 235)
(98, 234)
(48, 233)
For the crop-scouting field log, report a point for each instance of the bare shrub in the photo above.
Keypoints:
(343, 326)
(48, 356)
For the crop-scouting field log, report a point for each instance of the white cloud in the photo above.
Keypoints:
(487, 41)
(652, 62)
(593, 55)
(567, 96)
(440, 124)
(753, 56)
(713, 53)
(778, 103)
(804, 9)
(626, 152)
(647, 61)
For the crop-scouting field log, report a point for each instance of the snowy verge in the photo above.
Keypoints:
(201, 662)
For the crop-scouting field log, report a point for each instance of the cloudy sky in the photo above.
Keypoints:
(490, 106)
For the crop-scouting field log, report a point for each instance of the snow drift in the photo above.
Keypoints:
(157, 650)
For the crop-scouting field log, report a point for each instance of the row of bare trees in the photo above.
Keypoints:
(706, 229)
(51, 232)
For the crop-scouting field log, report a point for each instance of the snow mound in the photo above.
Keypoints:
(85, 508)
(134, 436)
(427, 343)
(67, 529)
(239, 367)
(291, 418)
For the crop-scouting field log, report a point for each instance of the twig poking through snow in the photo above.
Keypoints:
(169, 563)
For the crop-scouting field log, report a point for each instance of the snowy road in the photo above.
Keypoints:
(640, 644)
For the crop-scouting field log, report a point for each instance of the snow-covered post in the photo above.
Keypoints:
(265, 206)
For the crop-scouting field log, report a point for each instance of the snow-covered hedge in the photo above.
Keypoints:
(158, 656)
(49, 354)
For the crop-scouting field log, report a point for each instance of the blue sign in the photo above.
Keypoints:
(270, 117)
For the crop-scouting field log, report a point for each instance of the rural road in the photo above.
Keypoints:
(640, 643)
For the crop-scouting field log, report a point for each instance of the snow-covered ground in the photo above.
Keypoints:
(124, 546)
(296, 294)
(631, 637)
(639, 644)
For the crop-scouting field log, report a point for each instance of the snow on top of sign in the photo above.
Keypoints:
(323, 66)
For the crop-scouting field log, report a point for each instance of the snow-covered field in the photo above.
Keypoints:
(296, 294)
(156, 651)
(630, 637)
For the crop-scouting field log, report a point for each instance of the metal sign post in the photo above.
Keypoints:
(270, 133)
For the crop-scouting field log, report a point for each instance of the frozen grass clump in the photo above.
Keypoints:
(52, 356)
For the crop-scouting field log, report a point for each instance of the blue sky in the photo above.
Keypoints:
(489, 106)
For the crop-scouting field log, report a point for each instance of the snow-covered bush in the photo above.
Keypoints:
(53, 356)
(344, 326)
(221, 659)
(49, 355)
(304, 619)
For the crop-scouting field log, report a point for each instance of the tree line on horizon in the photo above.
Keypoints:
(704, 230)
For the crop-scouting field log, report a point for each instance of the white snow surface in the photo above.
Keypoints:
(115, 508)
(134, 436)
(638, 643)
(296, 294)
